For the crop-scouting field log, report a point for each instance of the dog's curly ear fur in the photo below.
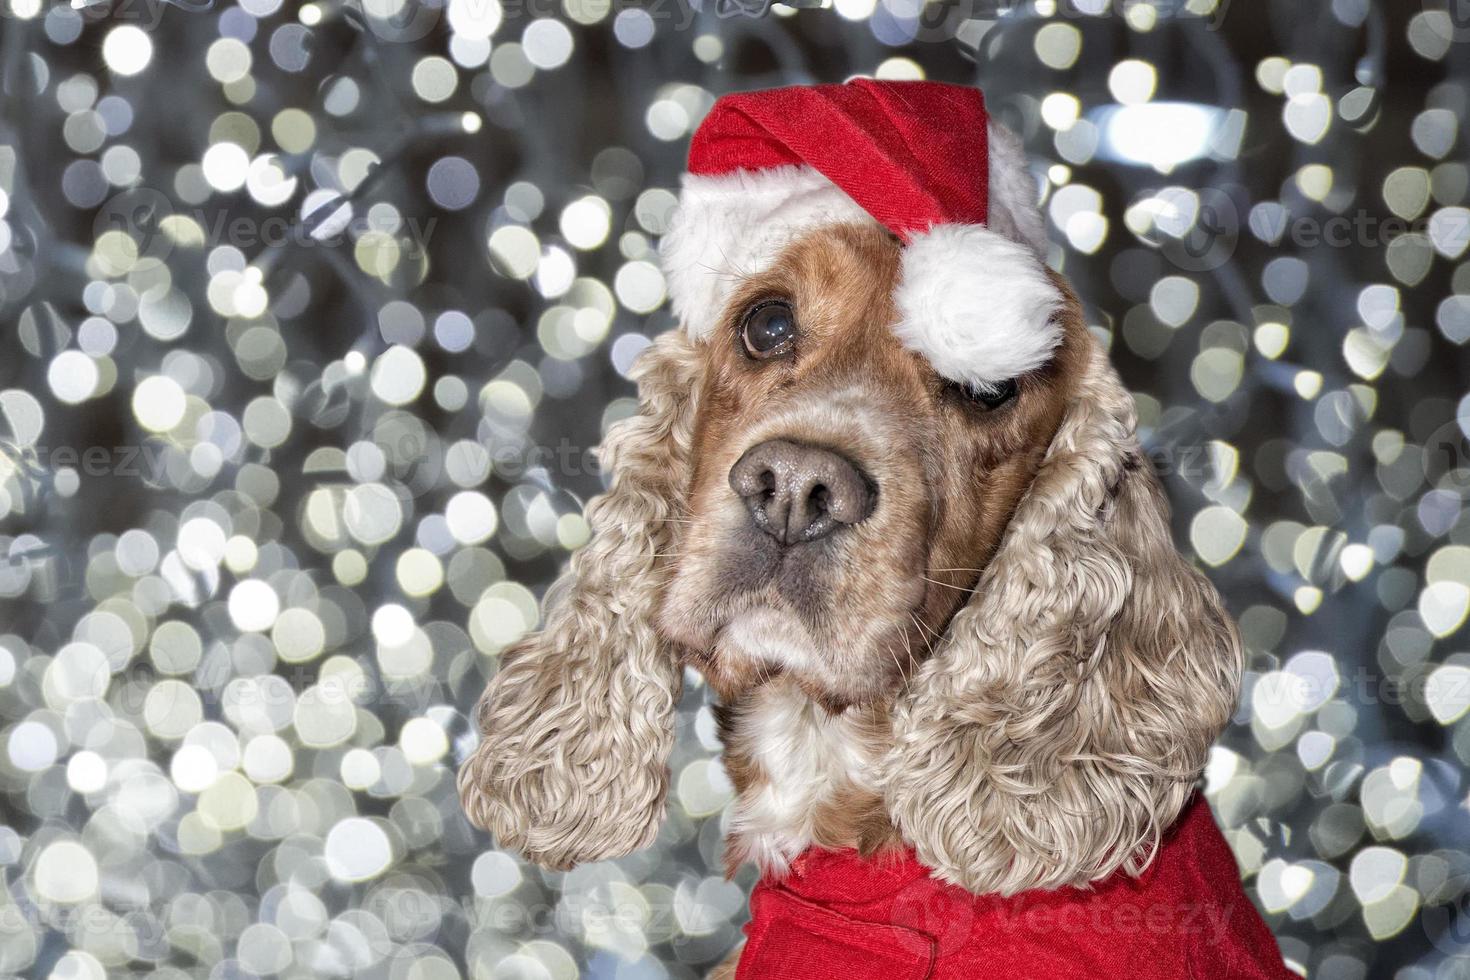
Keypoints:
(1063, 725)
(577, 725)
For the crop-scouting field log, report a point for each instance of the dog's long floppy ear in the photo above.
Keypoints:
(1062, 726)
(577, 725)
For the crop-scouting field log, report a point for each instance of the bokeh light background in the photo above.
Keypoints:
(312, 312)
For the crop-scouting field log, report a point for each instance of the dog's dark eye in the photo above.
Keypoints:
(769, 329)
(989, 396)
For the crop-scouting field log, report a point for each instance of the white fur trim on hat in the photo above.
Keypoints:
(734, 225)
(979, 306)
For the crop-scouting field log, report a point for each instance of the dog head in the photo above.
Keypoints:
(823, 485)
(843, 494)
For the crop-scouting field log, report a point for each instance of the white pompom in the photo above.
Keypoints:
(981, 307)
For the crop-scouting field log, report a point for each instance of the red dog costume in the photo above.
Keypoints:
(839, 917)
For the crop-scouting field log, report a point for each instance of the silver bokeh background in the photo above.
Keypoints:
(311, 313)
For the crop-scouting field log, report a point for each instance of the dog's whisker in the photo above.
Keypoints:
(765, 675)
(957, 588)
(720, 274)
(740, 271)
(921, 633)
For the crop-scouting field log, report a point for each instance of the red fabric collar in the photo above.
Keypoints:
(837, 916)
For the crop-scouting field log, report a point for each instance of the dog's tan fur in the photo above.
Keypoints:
(949, 475)
(1006, 666)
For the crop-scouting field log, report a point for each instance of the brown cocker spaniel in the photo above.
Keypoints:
(938, 611)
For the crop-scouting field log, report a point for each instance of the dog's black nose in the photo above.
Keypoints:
(801, 493)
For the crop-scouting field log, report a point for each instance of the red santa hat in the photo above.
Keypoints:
(920, 158)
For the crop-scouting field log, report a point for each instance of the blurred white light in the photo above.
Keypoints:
(474, 19)
(357, 849)
(393, 625)
(253, 606)
(1132, 82)
(226, 166)
(127, 49)
(32, 746)
(1161, 135)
